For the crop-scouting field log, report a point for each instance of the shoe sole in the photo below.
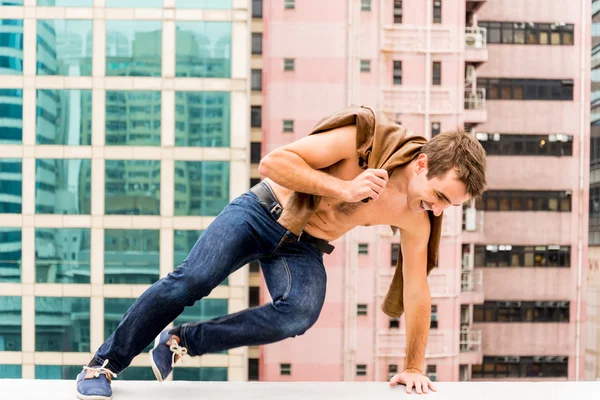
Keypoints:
(155, 369)
(84, 397)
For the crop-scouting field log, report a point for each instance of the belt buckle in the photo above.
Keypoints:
(276, 209)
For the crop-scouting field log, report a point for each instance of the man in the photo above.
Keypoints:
(355, 169)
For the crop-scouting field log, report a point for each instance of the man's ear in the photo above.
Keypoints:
(422, 163)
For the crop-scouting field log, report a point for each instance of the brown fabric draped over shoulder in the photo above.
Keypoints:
(379, 144)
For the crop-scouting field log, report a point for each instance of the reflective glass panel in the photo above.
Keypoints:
(201, 187)
(114, 309)
(10, 323)
(138, 373)
(11, 46)
(203, 310)
(10, 371)
(203, 49)
(64, 47)
(132, 187)
(11, 181)
(11, 3)
(133, 118)
(202, 119)
(57, 371)
(131, 256)
(62, 255)
(66, 3)
(63, 186)
(133, 48)
(11, 115)
(206, 4)
(134, 3)
(64, 117)
(62, 324)
(211, 374)
(10, 254)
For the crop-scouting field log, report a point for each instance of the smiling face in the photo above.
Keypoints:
(435, 194)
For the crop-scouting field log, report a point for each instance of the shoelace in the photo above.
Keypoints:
(100, 370)
(177, 351)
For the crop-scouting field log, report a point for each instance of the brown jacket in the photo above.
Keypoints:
(380, 144)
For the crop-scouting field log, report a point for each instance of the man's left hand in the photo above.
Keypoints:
(420, 382)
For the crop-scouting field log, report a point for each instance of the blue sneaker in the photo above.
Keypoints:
(93, 383)
(165, 354)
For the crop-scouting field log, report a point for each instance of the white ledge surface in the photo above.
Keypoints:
(21, 389)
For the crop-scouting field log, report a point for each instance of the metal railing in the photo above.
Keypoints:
(471, 281)
(475, 38)
(470, 340)
(414, 39)
(413, 101)
(475, 99)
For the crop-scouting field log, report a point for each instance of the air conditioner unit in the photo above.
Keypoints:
(471, 219)
(471, 75)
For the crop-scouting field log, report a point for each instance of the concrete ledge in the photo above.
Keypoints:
(128, 390)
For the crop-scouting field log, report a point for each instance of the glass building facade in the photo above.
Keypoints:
(121, 139)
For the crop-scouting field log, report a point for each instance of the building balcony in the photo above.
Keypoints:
(440, 282)
(414, 101)
(392, 344)
(471, 287)
(413, 39)
(476, 45)
(470, 346)
(475, 109)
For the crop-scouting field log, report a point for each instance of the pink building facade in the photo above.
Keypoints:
(507, 297)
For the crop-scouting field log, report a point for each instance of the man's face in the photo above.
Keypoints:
(435, 194)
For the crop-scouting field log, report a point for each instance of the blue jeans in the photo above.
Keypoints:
(244, 231)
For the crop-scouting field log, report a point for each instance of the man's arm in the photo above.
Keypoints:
(296, 166)
(417, 304)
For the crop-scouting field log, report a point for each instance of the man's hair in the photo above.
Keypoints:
(461, 151)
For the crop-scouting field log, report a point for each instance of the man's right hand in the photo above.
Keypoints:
(368, 185)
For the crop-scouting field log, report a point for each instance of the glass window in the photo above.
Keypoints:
(134, 3)
(203, 189)
(256, 43)
(132, 187)
(133, 48)
(397, 74)
(62, 255)
(255, 116)
(114, 310)
(131, 256)
(437, 11)
(10, 371)
(10, 255)
(11, 191)
(10, 324)
(289, 64)
(11, 115)
(62, 324)
(397, 11)
(213, 374)
(256, 80)
(133, 118)
(138, 373)
(11, 39)
(365, 5)
(437, 73)
(66, 3)
(203, 49)
(203, 310)
(57, 371)
(365, 65)
(63, 117)
(10, 3)
(64, 47)
(257, 8)
(205, 118)
(205, 4)
(255, 152)
(184, 240)
(288, 125)
(63, 186)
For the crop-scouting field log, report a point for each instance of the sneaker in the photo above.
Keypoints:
(165, 354)
(93, 383)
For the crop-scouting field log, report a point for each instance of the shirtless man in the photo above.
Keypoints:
(449, 171)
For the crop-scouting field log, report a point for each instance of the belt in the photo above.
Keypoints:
(265, 194)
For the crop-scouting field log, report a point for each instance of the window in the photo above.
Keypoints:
(522, 367)
(253, 369)
(207, 184)
(528, 33)
(365, 65)
(203, 374)
(526, 145)
(289, 64)
(257, 8)
(522, 311)
(254, 296)
(524, 200)
(53, 62)
(395, 252)
(255, 116)
(392, 370)
(437, 11)
(397, 74)
(73, 335)
(53, 179)
(257, 80)
(397, 11)
(288, 125)
(62, 255)
(256, 43)
(361, 370)
(10, 371)
(394, 323)
(365, 5)
(132, 187)
(431, 372)
(436, 78)
(527, 89)
(10, 323)
(255, 149)
(435, 129)
(122, 56)
(53, 107)
(204, 118)
(11, 186)
(434, 317)
(361, 309)
(522, 256)
(285, 369)
(254, 265)
(289, 4)
(363, 248)
(135, 250)
(130, 116)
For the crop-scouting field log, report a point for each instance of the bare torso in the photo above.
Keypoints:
(335, 217)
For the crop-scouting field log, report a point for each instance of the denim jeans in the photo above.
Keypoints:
(244, 231)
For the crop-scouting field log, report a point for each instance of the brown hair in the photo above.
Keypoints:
(461, 151)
